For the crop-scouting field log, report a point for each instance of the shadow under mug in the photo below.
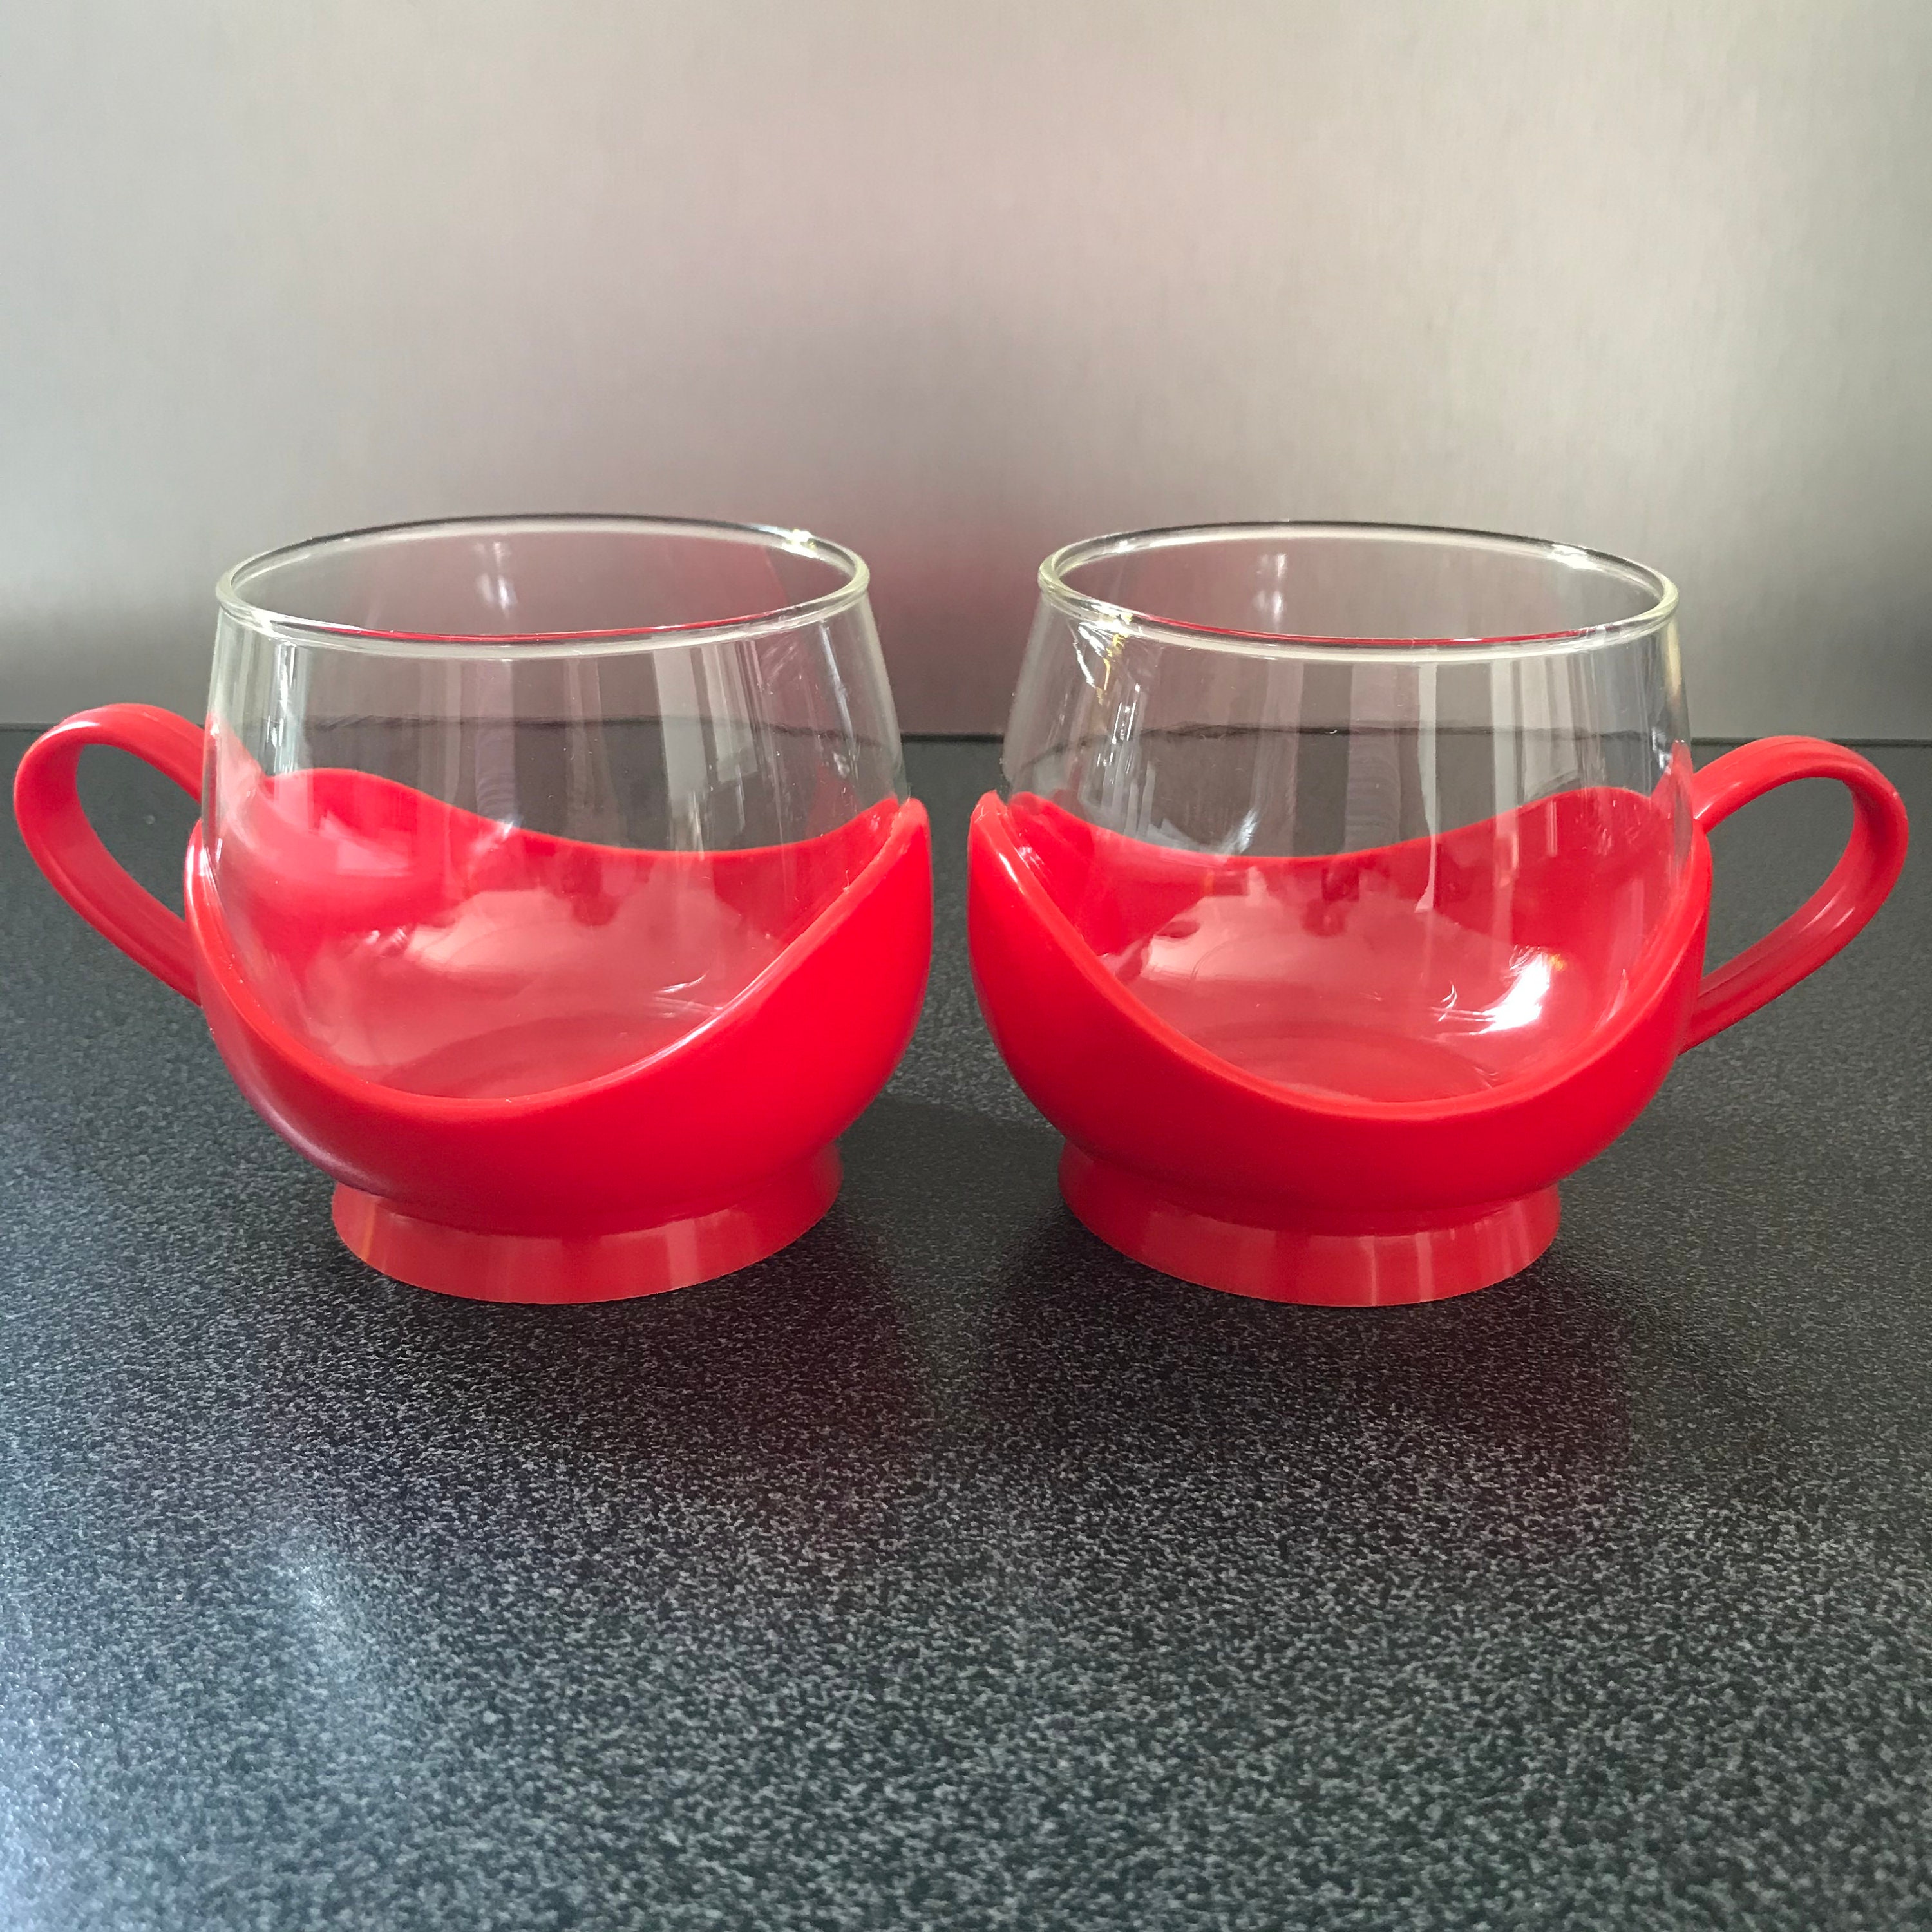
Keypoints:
(555, 889)
(1348, 888)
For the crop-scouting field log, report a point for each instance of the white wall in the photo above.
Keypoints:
(954, 282)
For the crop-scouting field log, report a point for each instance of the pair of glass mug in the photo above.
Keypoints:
(557, 891)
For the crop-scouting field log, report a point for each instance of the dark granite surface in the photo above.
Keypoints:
(947, 1571)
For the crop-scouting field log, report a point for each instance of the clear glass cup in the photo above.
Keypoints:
(1252, 695)
(555, 888)
(1347, 888)
(469, 741)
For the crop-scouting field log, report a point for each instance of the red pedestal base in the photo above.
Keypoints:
(587, 1267)
(1340, 1261)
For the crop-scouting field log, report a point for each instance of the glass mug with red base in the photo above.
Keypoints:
(1347, 888)
(555, 888)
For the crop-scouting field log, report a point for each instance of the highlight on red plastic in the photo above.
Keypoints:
(1331, 959)
(541, 1065)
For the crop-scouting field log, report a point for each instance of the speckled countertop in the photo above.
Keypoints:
(947, 1571)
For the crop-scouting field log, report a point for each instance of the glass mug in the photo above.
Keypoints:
(555, 889)
(1347, 888)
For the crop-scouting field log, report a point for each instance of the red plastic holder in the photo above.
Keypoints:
(1287, 1189)
(707, 1153)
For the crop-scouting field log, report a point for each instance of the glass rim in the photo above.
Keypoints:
(231, 592)
(1077, 604)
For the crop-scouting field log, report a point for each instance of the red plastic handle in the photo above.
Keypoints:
(1832, 917)
(68, 850)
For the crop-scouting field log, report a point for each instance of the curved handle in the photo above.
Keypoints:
(1832, 917)
(68, 850)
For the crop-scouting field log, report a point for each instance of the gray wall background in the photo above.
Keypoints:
(957, 283)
